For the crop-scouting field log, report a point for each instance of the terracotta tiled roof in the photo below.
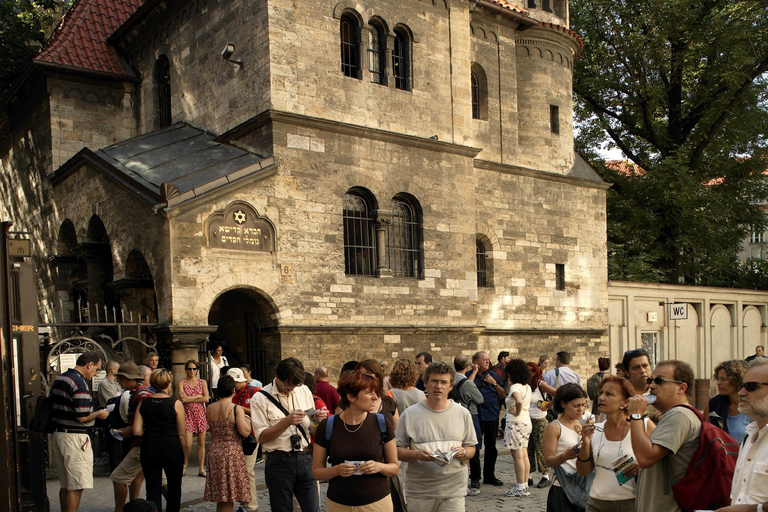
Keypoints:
(568, 31)
(508, 5)
(80, 40)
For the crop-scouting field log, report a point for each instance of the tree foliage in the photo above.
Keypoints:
(680, 86)
(23, 25)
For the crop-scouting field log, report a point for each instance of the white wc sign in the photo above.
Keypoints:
(678, 311)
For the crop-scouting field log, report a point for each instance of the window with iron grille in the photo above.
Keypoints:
(377, 53)
(404, 240)
(559, 276)
(757, 238)
(482, 272)
(400, 61)
(359, 236)
(475, 97)
(350, 40)
(163, 84)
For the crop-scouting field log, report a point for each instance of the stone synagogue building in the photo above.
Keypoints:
(327, 180)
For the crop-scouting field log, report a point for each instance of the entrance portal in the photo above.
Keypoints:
(247, 329)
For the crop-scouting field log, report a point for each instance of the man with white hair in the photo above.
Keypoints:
(749, 492)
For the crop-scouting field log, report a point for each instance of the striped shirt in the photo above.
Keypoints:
(72, 400)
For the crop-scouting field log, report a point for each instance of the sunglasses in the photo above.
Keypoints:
(659, 381)
(192, 369)
(752, 386)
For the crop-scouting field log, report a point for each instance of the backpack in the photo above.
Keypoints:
(114, 420)
(42, 421)
(453, 394)
(379, 419)
(707, 481)
(592, 384)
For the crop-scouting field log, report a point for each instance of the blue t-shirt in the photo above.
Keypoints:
(489, 409)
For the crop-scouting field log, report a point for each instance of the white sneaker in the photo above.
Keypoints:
(472, 491)
(517, 493)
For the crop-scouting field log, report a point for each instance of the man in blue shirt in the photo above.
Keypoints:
(72, 415)
(491, 387)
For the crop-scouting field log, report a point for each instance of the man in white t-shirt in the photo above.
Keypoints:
(437, 423)
(562, 373)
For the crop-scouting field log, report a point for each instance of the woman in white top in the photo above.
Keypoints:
(518, 429)
(607, 445)
(538, 411)
(218, 361)
(561, 440)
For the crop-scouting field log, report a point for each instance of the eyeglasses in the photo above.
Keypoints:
(752, 386)
(192, 369)
(659, 381)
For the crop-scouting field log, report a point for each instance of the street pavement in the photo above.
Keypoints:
(101, 497)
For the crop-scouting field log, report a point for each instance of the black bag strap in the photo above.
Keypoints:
(284, 411)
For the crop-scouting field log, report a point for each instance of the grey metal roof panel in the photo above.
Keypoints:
(581, 169)
(182, 155)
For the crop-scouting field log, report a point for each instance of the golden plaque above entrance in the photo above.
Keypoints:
(240, 228)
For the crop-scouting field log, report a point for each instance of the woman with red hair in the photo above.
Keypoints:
(538, 413)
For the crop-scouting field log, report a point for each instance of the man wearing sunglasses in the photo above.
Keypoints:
(749, 492)
(671, 446)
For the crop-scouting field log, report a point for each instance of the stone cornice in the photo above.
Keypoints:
(275, 116)
(533, 173)
(411, 329)
(545, 332)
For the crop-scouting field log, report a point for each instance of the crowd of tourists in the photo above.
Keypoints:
(628, 441)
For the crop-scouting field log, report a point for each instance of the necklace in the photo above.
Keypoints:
(358, 427)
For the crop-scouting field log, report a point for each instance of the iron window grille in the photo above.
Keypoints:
(482, 271)
(400, 61)
(403, 241)
(350, 62)
(359, 237)
(475, 97)
(376, 53)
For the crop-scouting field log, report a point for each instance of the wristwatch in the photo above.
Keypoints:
(759, 507)
(636, 416)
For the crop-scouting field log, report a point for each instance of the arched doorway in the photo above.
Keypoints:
(247, 328)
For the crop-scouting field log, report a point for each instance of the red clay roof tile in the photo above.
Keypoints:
(80, 40)
(509, 5)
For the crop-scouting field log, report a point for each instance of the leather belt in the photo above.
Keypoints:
(305, 451)
(72, 430)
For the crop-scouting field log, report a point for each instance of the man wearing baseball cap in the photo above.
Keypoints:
(242, 397)
(131, 379)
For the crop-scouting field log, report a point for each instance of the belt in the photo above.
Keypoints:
(72, 430)
(305, 451)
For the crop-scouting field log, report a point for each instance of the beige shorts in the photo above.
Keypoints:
(73, 456)
(383, 505)
(129, 468)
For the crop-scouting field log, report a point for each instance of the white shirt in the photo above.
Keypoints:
(525, 395)
(265, 414)
(750, 480)
(566, 375)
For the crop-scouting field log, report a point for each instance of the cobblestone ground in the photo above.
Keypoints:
(101, 498)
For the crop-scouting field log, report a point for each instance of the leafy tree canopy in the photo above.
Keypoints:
(681, 87)
(23, 23)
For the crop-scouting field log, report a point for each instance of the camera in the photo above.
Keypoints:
(296, 443)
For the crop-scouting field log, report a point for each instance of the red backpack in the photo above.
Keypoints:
(707, 481)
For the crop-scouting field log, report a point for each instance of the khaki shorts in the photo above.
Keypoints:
(383, 505)
(129, 468)
(73, 456)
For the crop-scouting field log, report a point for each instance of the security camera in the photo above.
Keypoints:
(228, 51)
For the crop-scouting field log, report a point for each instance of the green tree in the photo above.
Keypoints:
(23, 25)
(680, 87)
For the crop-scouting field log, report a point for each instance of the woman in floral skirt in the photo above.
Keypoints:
(193, 393)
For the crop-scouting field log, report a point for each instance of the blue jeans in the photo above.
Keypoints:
(287, 476)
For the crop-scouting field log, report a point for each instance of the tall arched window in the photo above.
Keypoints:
(480, 256)
(359, 235)
(163, 89)
(350, 44)
(377, 52)
(479, 92)
(404, 238)
(401, 60)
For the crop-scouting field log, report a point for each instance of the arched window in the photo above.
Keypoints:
(404, 238)
(350, 44)
(377, 52)
(482, 275)
(359, 235)
(401, 60)
(479, 92)
(163, 89)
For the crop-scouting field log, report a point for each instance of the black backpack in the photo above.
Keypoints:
(453, 394)
(42, 421)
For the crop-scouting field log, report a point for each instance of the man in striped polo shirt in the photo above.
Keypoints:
(72, 414)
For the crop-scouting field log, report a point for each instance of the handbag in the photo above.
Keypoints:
(576, 487)
(249, 442)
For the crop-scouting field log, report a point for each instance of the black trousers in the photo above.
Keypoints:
(488, 432)
(156, 457)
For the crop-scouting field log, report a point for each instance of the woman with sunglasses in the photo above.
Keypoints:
(607, 445)
(728, 377)
(193, 393)
(159, 421)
